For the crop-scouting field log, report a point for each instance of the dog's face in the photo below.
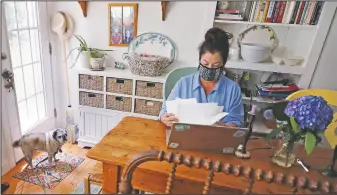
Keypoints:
(60, 135)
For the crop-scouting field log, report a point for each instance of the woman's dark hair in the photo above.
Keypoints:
(216, 40)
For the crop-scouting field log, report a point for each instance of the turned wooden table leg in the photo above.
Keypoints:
(111, 178)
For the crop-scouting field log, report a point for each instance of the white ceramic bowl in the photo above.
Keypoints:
(292, 61)
(276, 59)
(252, 52)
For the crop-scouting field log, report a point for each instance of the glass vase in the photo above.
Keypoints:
(285, 156)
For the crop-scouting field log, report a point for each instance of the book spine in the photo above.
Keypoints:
(299, 16)
(318, 13)
(276, 11)
(285, 12)
(311, 10)
(290, 11)
(305, 12)
(298, 11)
(292, 20)
(252, 11)
(281, 13)
(265, 11)
(263, 5)
(258, 11)
(314, 12)
(270, 11)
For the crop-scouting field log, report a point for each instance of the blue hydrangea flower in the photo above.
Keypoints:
(310, 112)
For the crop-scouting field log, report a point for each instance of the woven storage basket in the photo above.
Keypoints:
(91, 82)
(118, 85)
(147, 65)
(149, 89)
(91, 99)
(148, 107)
(119, 103)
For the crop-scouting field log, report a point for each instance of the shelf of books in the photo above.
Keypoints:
(264, 23)
(278, 13)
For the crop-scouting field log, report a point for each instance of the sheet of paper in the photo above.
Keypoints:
(191, 112)
(172, 105)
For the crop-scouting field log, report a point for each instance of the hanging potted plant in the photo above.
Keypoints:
(304, 119)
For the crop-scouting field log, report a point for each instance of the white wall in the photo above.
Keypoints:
(325, 75)
(185, 24)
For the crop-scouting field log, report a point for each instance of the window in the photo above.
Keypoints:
(23, 29)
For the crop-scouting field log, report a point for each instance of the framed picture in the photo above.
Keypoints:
(123, 18)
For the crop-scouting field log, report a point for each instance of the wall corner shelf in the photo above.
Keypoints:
(83, 5)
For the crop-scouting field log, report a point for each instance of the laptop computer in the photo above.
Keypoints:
(206, 138)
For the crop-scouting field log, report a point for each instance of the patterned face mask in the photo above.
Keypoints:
(210, 74)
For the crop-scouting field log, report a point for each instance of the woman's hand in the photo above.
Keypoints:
(168, 119)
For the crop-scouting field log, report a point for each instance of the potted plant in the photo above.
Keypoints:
(96, 59)
(85, 53)
(82, 53)
(303, 119)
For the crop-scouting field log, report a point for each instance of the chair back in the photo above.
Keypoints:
(174, 76)
(248, 180)
(331, 97)
(212, 167)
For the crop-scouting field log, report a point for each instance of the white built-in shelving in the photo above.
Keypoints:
(300, 40)
(265, 23)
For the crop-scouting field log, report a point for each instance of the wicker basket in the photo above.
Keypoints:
(91, 99)
(149, 89)
(148, 107)
(147, 65)
(117, 85)
(119, 103)
(91, 82)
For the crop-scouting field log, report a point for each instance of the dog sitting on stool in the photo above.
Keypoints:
(50, 142)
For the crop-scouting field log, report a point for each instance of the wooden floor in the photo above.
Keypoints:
(66, 186)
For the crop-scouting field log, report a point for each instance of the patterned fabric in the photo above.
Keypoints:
(210, 74)
(49, 177)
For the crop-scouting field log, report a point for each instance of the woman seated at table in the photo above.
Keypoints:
(209, 84)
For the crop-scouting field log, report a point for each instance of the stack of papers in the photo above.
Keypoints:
(191, 112)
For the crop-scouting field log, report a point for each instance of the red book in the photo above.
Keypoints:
(281, 12)
(300, 13)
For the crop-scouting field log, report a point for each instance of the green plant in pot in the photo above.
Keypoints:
(85, 53)
(96, 59)
(82, 53)
(303, 119)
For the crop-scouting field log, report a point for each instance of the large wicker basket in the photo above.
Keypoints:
(147, 65)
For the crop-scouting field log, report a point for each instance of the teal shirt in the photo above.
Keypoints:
(227, 93)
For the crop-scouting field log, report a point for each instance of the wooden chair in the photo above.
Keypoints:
(331, 97)
(92, 179)
(252, 175)
(174, 76)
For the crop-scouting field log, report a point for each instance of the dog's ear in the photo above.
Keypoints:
(55, 134)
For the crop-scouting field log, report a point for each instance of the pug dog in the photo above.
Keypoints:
(50, 142)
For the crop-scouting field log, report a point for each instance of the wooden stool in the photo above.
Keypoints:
(92, 179)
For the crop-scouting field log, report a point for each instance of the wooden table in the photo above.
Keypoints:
(133, 135)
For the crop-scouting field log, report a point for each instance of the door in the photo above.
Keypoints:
(30, 106)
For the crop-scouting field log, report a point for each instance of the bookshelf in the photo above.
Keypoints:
(264, 23)
(300, 40)
(304, 40)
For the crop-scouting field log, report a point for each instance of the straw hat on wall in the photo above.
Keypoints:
(62, 25)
